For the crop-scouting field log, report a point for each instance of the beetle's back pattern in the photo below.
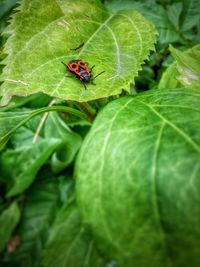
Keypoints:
(81, 70)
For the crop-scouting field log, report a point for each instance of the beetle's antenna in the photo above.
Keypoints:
(77, 48)
(63, 63)
(97, 75)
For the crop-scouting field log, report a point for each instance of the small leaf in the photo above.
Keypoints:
(184, 71)
(70, 243)
(141, 194)
(9, 218)
(34, 61)
(188, 66)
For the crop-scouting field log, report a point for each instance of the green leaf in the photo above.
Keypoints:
(35, 52)
(11, 121)
(188, 66)
(55, 127)
(9, 218)
(184, 71)
(40, 209)
(70, 243)
(141, 193)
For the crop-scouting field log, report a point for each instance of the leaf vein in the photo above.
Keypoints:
(118, 62)
(174, 126)
(138, 33)
(92, 36)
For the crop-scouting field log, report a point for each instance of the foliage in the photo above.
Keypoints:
(107, 176)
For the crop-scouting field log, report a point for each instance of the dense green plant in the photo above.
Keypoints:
(107, 176)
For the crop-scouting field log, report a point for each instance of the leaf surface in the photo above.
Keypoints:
(34, 61)
(141, 194)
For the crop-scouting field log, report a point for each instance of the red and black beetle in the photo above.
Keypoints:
(82, 71)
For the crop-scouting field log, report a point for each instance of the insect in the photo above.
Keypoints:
(81, 71)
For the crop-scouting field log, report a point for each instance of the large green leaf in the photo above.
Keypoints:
(8, 221)
(141, 193)
(70, 243)
(117, 43)
(40, 209)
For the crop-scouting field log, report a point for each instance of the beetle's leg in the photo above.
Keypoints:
(84, 86)
(63, 63)
(92, 68)
(93, 82)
